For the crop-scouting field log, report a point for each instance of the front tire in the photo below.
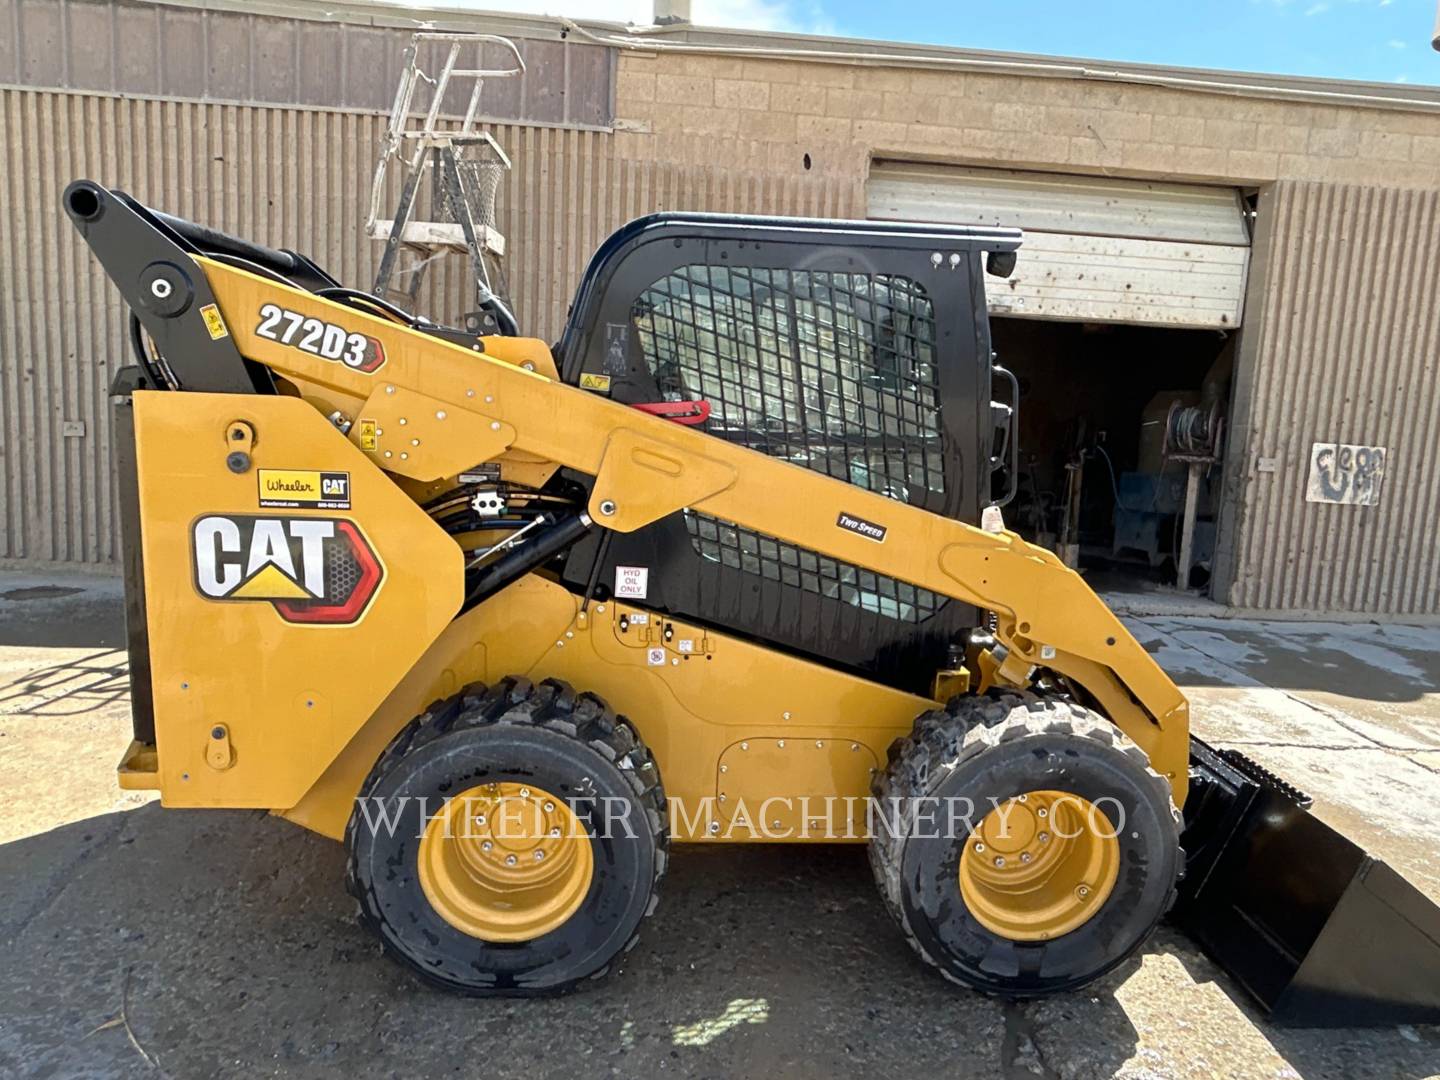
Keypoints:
(962, 896)
(510, 840)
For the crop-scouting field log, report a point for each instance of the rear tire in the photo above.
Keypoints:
(999, 747)
(515, 737)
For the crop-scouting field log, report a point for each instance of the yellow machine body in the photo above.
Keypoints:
(301, 627)
(254, 710)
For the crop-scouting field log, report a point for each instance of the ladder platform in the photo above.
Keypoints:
(438, 234)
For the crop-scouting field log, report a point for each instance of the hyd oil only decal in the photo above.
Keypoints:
(312, 570)
(867, 529)
(360, 352)
(289, 489)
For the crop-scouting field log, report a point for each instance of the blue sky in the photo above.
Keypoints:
(1379, 40)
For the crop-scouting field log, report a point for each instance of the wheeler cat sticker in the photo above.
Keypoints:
(313, 570)
(319, 338)
(289, 489)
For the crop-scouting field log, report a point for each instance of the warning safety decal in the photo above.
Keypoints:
(214, 322)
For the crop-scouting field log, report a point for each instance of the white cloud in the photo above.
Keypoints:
(1402, 78)
(1316, 9)
(1396, 43)
(794, 16)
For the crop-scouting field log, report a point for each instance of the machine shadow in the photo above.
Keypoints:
(760, 961)
(1404, 1053)
(70, 688)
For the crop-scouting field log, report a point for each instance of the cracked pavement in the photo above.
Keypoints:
(142, 942)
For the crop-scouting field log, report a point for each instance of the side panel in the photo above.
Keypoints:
(696, 697)
(284, 600)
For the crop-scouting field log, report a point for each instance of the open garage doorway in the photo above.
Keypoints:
(1106, 410)
(1120, 320)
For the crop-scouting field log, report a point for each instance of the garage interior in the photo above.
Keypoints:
(1095, 483)
(1120, 323)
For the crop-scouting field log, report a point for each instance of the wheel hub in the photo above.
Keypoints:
(505, 862)
(1039, 865)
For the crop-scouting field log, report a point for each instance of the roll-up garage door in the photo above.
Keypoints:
(1096, 249)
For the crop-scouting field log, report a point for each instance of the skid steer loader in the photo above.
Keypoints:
(722, 566)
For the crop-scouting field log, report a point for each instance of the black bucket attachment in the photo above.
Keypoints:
(1320, 933)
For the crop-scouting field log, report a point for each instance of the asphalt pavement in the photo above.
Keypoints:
(144, 942)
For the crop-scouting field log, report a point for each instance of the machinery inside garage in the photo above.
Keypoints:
(1120, 323)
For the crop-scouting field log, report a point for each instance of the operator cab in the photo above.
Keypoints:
(860, 350)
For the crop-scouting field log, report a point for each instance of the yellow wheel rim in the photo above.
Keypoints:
(1040, 865)
(505, 862)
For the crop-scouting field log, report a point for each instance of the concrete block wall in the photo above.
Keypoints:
(793, 116)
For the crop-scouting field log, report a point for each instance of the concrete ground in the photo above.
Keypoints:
(145, 942)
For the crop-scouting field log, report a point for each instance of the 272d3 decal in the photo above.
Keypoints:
(313, 570)
(319, 338)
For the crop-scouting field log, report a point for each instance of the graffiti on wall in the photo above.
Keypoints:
(1345, 473)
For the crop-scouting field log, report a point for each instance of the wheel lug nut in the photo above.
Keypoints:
(509, 860)
(1044, 838)
(555, 831)
(486, 845)
(1042, 812)
(1024, 798)
(1083, 891)
(999, 860)
(480, 819)
(979, 848)
(549, 807)
(524, 792)
(1025, 856)
(539, 855)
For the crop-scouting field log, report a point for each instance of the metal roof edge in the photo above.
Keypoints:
(768, 44)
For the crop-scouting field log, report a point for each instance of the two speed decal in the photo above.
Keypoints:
(319, 338)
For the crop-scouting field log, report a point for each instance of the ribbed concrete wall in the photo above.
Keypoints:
(1342, 344)
(226, 53)
(289, 177)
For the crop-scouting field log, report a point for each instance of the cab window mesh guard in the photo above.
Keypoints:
(728, 544)
(832, 371)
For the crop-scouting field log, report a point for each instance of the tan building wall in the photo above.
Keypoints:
(1342, 333)
(767, 115)
(729, 133)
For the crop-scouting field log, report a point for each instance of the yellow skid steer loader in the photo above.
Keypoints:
(724, 565)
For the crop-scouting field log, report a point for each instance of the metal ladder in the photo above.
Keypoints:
(465, 166)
